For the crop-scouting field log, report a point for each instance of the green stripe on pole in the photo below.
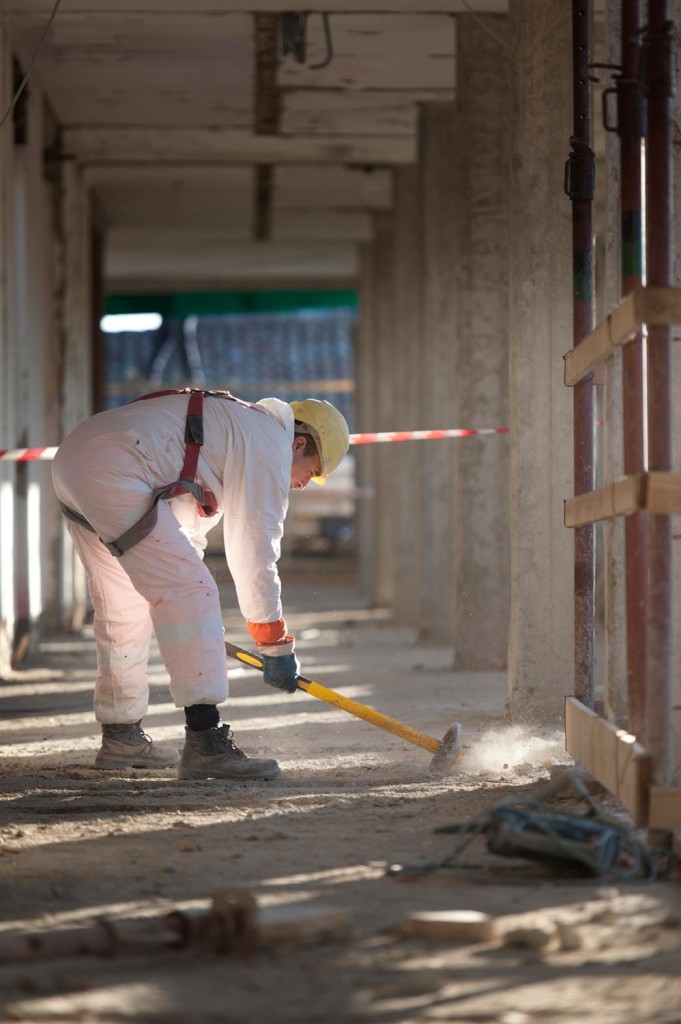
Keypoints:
(220, 303)
(581, 276)
(632, 243)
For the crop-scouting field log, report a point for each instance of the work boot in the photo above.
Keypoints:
(213, 754)
(127, 746)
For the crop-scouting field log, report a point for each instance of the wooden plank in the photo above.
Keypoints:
(658, 492)
(301, 923)
(656, 305)
(641, 306)
(633, 774)
(583, 740)
(662, 493)
(665, 807)
(449, 926)
(610, 754)
(620, 498)
(114, 145)
(597, 346)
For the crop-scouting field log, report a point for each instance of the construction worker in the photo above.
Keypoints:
(140, 486)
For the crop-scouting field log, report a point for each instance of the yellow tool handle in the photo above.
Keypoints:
(344, 703)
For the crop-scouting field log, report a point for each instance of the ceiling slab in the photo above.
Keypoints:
(221, 206)
(317, 225)
(314, 188)
(148, 70)
(156, 99)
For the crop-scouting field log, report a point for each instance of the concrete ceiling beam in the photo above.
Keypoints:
(287, 226)
(131, 191)
(219, 264)
(155, 145)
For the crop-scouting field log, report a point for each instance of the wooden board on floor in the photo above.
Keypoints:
(611, 755)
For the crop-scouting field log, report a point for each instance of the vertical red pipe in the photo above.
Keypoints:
(631, 128)
(658, 80)
(581, 165)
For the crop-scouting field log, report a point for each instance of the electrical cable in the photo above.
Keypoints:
(34, 58)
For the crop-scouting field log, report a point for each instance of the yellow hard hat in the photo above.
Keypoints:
(329, 430)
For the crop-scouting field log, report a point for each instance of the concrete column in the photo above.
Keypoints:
(77, 351)
(409, 360)
(481, 574)
(7, 369)
(31, 325)
(441, 162)
(541, 626)
(387, 465)
(366, 388)
(52, 337)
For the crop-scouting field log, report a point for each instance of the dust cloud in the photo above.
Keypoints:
(514, 746)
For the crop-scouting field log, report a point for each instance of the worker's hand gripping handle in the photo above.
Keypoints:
(256, 662)
(344, 703)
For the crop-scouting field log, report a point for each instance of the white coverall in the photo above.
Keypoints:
(106, 470)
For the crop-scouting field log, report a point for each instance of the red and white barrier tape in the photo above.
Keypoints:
(421, 435)
(26, 454)
(34, 454)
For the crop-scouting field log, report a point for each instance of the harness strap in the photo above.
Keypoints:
(193, 438)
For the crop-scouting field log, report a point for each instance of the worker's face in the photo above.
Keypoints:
(303, 467)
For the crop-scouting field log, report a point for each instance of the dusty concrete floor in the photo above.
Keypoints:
(76, 845)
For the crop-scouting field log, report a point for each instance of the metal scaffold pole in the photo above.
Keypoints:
(658, 80)
(580, 189)
(631, 129)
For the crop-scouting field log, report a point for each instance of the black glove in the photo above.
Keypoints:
(281, 671)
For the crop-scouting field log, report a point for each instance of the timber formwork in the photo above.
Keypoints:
(635, 762)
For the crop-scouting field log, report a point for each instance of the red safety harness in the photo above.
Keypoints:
(193, 439)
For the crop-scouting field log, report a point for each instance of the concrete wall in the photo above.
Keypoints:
(481, 555)
(440, 296)
(410, 363)
(7, 369)
(45, 363)
(77, 320)
(384, 410)
(541, 626)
